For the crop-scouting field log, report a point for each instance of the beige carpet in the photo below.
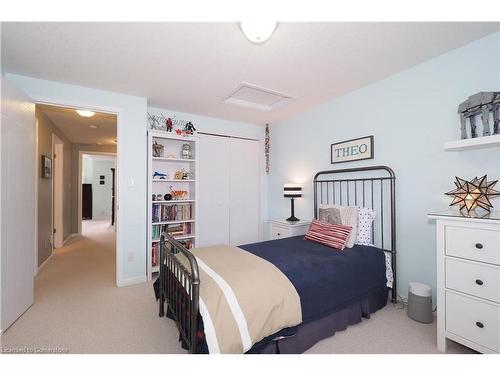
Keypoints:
(78, 309)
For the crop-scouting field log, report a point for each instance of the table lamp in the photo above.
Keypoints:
(292, 191)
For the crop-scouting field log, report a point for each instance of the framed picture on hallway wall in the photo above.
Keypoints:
(46, 167)
(352, 150)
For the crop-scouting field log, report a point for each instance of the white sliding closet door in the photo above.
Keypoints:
(244, 206)
(213, 196)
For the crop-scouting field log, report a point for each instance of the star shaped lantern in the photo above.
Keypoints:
(474, 193)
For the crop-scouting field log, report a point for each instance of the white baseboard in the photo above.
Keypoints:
(43, 264)
(70, 236)
(132, 281)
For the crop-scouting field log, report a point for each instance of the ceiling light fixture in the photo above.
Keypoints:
(85, 113)
(258, 31)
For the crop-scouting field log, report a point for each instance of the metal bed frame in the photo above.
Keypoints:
(180, 280)
(362, 191)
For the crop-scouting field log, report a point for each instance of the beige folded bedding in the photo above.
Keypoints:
(243, 298)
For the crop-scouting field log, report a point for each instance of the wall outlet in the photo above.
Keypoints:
(131, 257)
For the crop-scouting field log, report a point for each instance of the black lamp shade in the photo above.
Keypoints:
(292, 191)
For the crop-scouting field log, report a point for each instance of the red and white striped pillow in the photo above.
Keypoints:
(332, 235)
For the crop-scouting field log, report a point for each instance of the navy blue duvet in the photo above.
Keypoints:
(325, 279)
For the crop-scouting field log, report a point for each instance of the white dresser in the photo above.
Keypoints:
(468, 280)
(282, 228)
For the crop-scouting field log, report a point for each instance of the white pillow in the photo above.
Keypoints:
(365, 222)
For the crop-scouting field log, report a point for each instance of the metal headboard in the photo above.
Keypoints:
(373, 187)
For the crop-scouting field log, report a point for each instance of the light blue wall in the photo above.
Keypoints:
(411, 114)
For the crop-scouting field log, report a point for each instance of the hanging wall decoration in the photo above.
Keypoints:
(474, 193)
(352, 149)
(267, 148)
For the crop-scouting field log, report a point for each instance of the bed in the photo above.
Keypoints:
(336, 288)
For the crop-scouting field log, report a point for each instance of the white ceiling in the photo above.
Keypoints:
(193, 67)
(78, 129)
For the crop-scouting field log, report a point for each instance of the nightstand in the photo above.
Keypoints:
(282, 228)
(468, 280)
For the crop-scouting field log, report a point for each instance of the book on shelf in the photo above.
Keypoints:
(180, 229)
(167, 212)
(155, 248)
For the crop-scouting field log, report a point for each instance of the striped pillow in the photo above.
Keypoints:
(332, 235)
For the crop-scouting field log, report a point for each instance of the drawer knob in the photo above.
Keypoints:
(479, 282)
(480, 325)
(479, 245)
(279, 234)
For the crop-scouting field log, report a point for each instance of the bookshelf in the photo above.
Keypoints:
(176, 215)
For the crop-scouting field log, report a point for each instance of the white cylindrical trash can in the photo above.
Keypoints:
(420, 302)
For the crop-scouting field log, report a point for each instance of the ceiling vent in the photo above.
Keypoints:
(262, 99)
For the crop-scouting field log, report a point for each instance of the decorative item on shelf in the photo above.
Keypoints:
(187, 175)
(157, 150)
(292, 191)
(186, 152)
(482, 103)
(169, 124)
(189, 128)
(267, 148)
(179, 174)
(154, 122)
(160, 176)
(178, 131)
(178, 194)
(474, 193)
(182, 174)
(159, 197)
(153, 197)
(167, 197)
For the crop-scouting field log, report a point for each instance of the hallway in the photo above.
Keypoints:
(79, 309)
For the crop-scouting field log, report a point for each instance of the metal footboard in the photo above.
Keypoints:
(179, 288)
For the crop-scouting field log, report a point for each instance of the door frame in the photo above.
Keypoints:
(80, 169)
(57, 199)
(104, 109)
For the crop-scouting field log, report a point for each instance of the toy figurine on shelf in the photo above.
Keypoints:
(157, 150)
(179, 174)
(160, 176)
(159, 197)
(189, 128)
(186, 152)
(178, 131)
(178, 194)
(169, 124)
(186, 175)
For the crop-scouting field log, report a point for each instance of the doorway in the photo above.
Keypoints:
(97, 192)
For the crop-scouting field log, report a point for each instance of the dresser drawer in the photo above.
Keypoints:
(470, 243)
(277, 232)
(480, 280)
(473, 320)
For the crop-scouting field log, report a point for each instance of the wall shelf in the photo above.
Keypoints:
(171, 180)
(174, 159)
(174, 201)
(473, 143)
(174, 222)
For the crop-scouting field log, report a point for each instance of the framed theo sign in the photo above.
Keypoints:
(352, 149)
